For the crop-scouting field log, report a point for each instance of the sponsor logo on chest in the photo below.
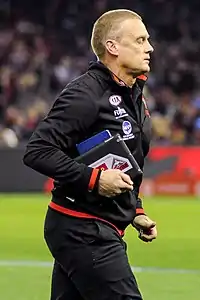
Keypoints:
(115, 100)
(127, 130)
(120, 113)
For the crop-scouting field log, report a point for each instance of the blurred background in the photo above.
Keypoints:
(43, 46)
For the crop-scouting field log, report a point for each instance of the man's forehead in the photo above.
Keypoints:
(134, 28)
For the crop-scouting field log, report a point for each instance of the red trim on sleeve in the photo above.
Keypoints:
(93, 178)
(139, 211)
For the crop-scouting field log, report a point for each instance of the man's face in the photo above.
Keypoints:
(134, 49)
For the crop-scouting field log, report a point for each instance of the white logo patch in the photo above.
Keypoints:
(127, 129)
(120, 113)
(115, 100)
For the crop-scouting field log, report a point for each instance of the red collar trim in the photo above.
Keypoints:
(142, 77)
(122, 83)
(118, 80)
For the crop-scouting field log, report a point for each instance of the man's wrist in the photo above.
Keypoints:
(139, 208)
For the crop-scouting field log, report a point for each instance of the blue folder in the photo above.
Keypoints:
(93, 141)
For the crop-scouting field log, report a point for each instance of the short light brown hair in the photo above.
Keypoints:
(108, 26)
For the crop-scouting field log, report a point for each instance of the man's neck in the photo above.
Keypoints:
(121, 74)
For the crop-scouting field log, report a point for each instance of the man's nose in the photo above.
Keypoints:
(150, 48)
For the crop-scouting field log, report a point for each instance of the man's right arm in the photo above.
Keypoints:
(71, 115)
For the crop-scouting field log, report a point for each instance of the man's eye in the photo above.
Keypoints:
(141, 40)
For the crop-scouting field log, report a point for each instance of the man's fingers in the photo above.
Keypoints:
(152, 224)
(123, 185)
(144, 222)
(126, 178)
(148, 235)
(146, 238)
(148, 223)
(114, 182)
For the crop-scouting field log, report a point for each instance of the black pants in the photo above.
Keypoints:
(90, 260)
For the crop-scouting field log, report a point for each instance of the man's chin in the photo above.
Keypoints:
(143, 72)
(146, 69)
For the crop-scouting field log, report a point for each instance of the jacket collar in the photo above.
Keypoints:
(100, 69)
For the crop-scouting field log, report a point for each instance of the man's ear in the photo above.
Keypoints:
(112, 47)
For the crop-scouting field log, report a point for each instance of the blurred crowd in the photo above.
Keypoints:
(45, 45)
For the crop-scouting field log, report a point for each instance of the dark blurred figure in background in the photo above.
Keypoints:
(44, 45)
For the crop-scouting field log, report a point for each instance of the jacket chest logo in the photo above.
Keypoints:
(120, 113)
(115, 100)
(127, 131)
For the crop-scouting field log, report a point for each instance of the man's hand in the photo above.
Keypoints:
(146, 228)
(113, 183)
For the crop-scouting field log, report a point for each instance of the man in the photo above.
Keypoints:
(90, 209)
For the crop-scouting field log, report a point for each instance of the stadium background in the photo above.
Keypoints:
(43, 45)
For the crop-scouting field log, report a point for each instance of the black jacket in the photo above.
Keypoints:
(91, 103)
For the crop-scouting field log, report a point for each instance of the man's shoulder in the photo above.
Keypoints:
(87, 83)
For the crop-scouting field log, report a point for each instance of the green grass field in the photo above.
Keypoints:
(170, 266)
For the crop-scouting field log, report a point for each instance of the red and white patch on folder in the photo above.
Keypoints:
(119, 164)
(112, 161)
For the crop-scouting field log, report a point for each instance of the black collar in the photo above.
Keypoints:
(100, 69)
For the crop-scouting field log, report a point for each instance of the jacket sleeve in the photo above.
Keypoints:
(139, 206)
(72, 114)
